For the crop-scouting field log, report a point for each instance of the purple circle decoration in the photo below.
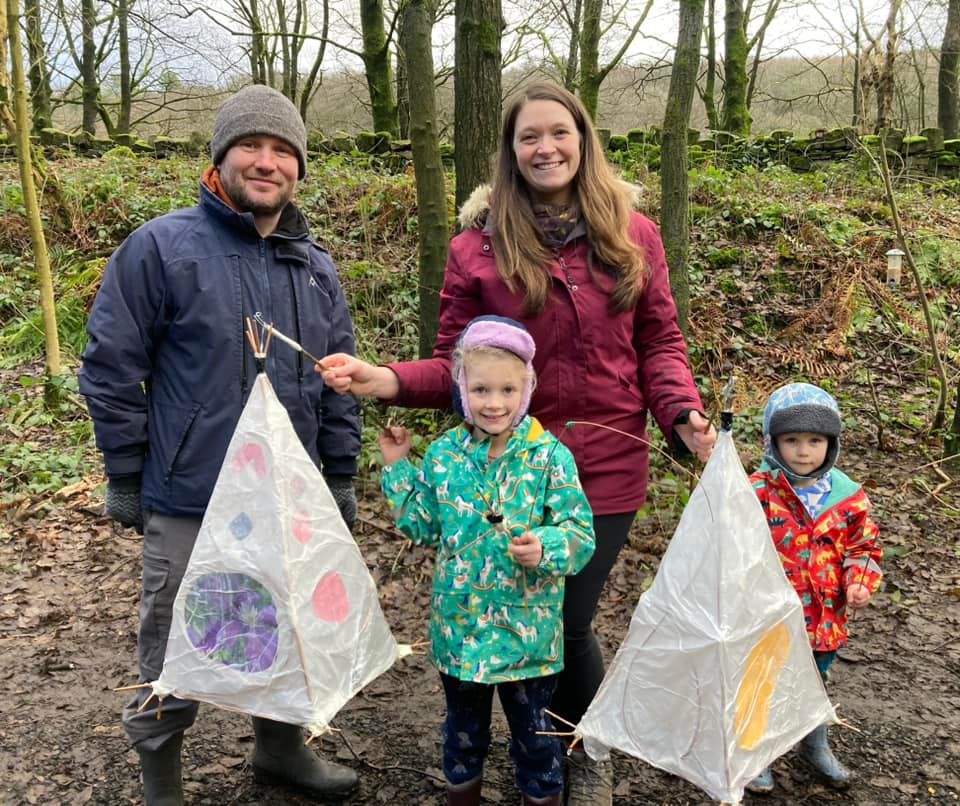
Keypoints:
(231, 618)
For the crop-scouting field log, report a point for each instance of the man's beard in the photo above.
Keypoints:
(244, 203)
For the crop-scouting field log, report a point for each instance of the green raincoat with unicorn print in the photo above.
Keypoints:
(491, 619)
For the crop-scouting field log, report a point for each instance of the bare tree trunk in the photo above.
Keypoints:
(126, 102)
(418, 17)
(403, 91)
(311, 83)
(288, 66)
(590, 55)
(258, 45)
(592, 74)
(948, 77)
(673, 162)
(40, 93)
(756, 45)
(571, 74)
(88, 66)
(19, 122)
(710, 84)
(951, 444)
(918, 62)
(376, 62)
(479, 25)
(736, 116)
(858, 118)
(886, 82)
(6, 110)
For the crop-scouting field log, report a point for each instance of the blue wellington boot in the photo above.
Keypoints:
(762, 784)
(815, 750)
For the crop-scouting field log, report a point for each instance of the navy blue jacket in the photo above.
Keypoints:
(168, 369)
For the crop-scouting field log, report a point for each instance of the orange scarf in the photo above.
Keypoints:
(211, 179)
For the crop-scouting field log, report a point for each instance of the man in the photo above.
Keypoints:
(166, 374)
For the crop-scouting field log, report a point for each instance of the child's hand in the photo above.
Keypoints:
(394, 443)
(857, 596)
(527, 550)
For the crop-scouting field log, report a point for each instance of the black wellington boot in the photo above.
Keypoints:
(162, 773)
(280, 758)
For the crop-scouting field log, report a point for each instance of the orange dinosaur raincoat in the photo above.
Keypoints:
(822, 558)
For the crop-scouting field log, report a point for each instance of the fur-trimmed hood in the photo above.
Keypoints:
(473, 212)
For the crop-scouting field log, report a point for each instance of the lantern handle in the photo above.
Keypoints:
(726, 401)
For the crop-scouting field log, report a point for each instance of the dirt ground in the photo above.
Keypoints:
(69, 585)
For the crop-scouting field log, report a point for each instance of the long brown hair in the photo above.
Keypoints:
(604, 201)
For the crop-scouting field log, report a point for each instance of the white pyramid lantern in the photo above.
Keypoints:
(277, 615)
(716, 677)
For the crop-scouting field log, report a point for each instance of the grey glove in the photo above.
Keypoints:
(123, 501)
(346, 498)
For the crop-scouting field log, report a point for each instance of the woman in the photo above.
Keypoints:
(555, 244)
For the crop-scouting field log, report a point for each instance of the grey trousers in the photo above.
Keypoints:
(167, 544)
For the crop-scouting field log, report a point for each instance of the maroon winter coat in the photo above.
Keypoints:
(592, 363)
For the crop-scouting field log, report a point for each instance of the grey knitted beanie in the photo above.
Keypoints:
(258, 109)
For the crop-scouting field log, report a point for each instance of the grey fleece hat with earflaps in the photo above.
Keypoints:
(801, 408)
(258, 109)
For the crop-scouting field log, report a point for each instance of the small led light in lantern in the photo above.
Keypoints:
(894, 264)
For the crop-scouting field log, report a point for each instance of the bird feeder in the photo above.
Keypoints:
(894, 265)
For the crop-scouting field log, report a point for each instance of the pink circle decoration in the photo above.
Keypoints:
(302, 528)
(250, 455)
(329, 600)
(298, 486)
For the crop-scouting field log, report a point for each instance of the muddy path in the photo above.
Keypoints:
(69, 586)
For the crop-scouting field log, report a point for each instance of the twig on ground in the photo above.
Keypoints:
(936, 462)
(941, 487)
(876, 409)
(113, 569)
(396, 560)
(381, 528)
(381, 768)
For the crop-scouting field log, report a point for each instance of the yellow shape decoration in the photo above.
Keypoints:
(759, 680)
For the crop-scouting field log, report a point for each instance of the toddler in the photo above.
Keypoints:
(820, 522)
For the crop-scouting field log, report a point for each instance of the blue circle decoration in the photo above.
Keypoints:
(241, 526)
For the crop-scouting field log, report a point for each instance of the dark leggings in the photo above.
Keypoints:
(583, 667)
(824, 659)
(466, 732)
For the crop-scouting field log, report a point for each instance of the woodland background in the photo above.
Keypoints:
(780, 275)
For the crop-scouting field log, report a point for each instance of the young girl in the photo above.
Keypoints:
(820, 522)
(500, 500)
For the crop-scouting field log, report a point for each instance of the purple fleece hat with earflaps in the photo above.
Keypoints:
(505, 334)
